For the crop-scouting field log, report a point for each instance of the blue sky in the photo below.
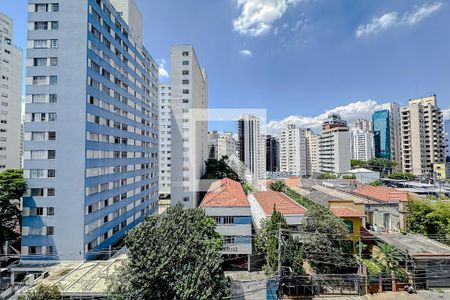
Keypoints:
(301, 58)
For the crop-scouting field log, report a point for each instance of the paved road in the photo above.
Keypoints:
(421, 295)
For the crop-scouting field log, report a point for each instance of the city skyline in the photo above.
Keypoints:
(284, 56)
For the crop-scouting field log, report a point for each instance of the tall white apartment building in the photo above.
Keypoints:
(312, 152)
(189, 147)
(164, 139)
(91, 128)
(10, 97)
(364, 125)
(361, 144)
(293, 151)
(251, 146)
(213, 144)
(226, 145)
(422, 136)
(334, 146)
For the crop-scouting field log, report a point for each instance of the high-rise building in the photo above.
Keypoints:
(293, 151)
(10, 97)
(251, 146)
(361, 144)
(189, 148)
(226, 145)
(334, 146)
(422, 136)
(213, 144)
(164, 139)
(91, 128)
(447, 140)
(364, 125)
(312, 152)
(272, 154)
(386, 133)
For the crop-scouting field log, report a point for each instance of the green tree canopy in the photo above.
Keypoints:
(266, 243)
(42, 292)
(400, 175)
(389, 256)
(12, 187)
(278, 186)
(173, 256)
(218, 169)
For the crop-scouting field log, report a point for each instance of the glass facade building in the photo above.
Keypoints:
(382, 134)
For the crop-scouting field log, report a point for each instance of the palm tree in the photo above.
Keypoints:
(389, 255)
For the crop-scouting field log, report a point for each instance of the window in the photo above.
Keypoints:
(185, 63)
(53, 43)
(38, 98)
(185, 53)
(52, 98)
(53, 61)
(39, 44)
(185, 72)
(185, 81)
(55, 7)
(52, 135)
(50, 211)
(53, 80)
(50, 230)
(55, 25)
(51, 173)
(228, 240)
(40, 25)
(36, 192)
(38, 136)
(228, 220)
(349, 224)
(185, 100)
(51, 154)
(50, 250)
(34, 250)
(51, 117)
(40, 8)
(39, 80)
(40, 62)
(185, 92)
(50, 192)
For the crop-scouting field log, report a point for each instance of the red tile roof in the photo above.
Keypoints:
(346, 212)
(292, 181)
(381, 193)
(283, 203)
(225, 192)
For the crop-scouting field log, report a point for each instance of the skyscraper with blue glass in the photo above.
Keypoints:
(91, 128)
(386, 134)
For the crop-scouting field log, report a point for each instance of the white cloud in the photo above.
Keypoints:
(162, 70)
(298, 25)
(377, 24)
(391, 19)
(246, 52)
(350, 112)
(421, 13)
(446, 113)
(257, 16)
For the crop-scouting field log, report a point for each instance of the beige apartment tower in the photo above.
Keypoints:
(422, 136)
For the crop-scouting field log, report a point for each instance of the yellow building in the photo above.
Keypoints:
(441, 171)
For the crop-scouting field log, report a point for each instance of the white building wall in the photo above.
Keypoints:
(10, 97)
(293, 151)
(334, 151)
(253, 147)
(361, 144)
(165, 112)
(226, 145)
(189, 145)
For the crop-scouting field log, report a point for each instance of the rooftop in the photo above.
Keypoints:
(346, 212)
(225, 193)
(415, 245)
(285, 205)
(381, 193)
(337, 194)
(292, 181)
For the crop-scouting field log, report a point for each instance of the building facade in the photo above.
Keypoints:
(251, 147)
(226, 145)
(189, 126)
(422, 136)
(312, 153)
(91, 128)
(361, 144)
(334, 146)
(386, 131)
(364, 125)
(293, 151)
(10, 97)
(213, 144)
(447, 140)
(165, 137)
(272, 154)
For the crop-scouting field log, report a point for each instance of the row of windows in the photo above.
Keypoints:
(40, 136)
(102, 154)
(40, 154)
(38, 250)
(118, 125)
(46, 230)
(46, 25)
(42, 98)
(118, 183)
(100, 137)
(39, 173)
(38, 211)
(45, 62)
(100, 171)
(45, 7)
(40, 117)
(40, 192)
(45, 44)
(45, 80)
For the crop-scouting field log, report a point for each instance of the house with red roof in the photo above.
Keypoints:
(227, 203)
(263, 203)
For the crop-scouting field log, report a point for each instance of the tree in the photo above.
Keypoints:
(172, 256)
(42, 292)
(266, 243)
(325, 241)
(12, 187)
(400, 175)
(327, 175)
(278, 186)
(381, 165)
(212, 152)
(376, 183)
(247, 187)
(356, 163)
(389, 256)
(218, 169)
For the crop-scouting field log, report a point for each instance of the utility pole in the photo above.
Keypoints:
(280, 290)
